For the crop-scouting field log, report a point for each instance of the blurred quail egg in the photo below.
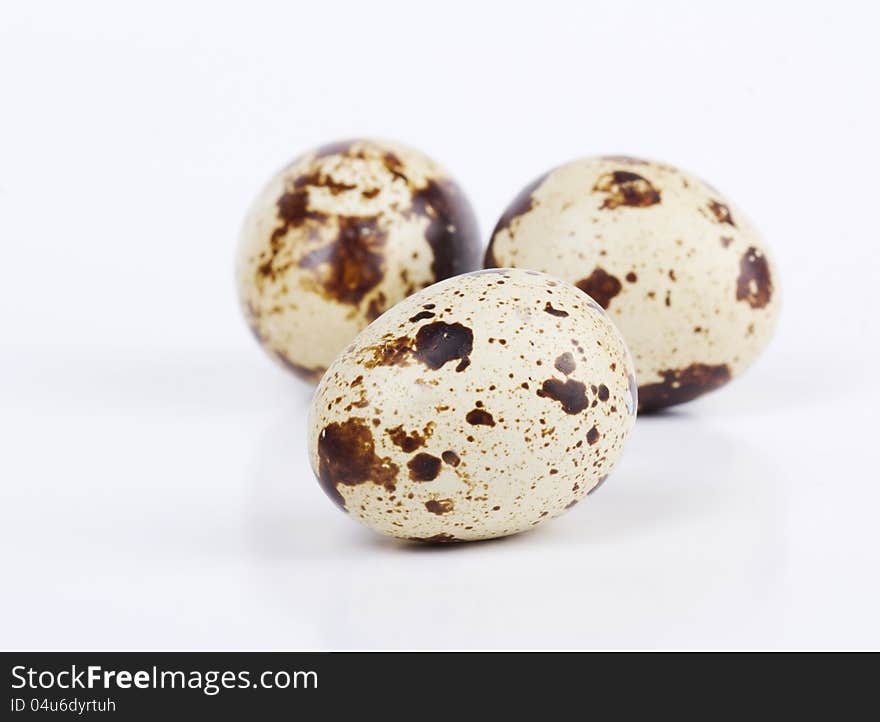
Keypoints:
(479, 407)
(341, 234)
(680, 270)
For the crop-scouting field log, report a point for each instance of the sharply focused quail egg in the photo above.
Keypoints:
(681, 271)
(479, 407)
(341, 234)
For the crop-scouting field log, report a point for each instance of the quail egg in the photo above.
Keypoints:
(479, 407)
(680, 270)
(341, 234)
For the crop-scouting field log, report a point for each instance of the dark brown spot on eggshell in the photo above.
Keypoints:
(423, 467)
(721, 213)
(570, 393)
(592, 436)
(600, 286)
(439, 506)
(565, 363)
(337, 187)
(452, 231)
(479, 417)
(421, 316)
(451, 458)
(293, 204)
(436, 539)
(376, 307)
(390, 352)
(754, 285)
(548, 308)
(293, 211)
(394, 166)
(682, 385)
(351, 265)
(625, 188)
(407, 442)
(347, 456)
(437, 343)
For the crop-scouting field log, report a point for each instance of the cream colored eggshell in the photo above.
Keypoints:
(681, 271)
(446, 418)
(338, 236)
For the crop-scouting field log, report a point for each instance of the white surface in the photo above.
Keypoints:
(155, 490)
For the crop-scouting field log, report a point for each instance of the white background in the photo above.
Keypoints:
(155, 488)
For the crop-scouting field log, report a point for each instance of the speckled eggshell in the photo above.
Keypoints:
(479, 407)
(341, 234)
(681, 271)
